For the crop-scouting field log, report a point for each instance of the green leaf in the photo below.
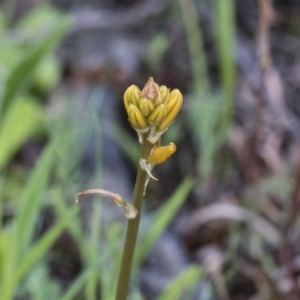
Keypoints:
(20, 122)
(41, 16)
(162, 219)
(225, 41)
(31, 201)
(91, 287)
(195, 43)
(21, 74)
(74, 228)
(79, 283)
(182, 285)
(6, 265)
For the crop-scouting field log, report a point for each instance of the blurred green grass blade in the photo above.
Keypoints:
(44, 243)
(61, 209)
(195, 45)
(41, 16)
(95, 229)
(6, 266)
(78, 284)
(20, 75)
(174, 134)
(31, 201)
(4, 19)
(128, 144)
(2, 181)
(91, 288)
(111, 256)
(225, 38)
(20, 122)
(88, 249)
(162, 219)
(183, 284)
(156, 50)
(204, 122)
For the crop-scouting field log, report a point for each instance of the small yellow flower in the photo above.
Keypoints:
(160, 154)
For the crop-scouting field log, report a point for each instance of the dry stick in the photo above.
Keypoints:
(133, 227)
(286, 249)
(264, 35)
(267, 17)
(293, 213)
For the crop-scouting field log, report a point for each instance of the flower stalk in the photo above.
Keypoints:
(150, 113)
(133, 226)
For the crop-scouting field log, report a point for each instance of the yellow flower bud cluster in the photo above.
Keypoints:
(153, 109)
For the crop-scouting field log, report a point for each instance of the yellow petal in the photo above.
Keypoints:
(160, 154)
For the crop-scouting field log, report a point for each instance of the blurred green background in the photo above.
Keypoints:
(221, 222)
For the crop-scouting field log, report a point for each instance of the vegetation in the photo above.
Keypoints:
(232, 186)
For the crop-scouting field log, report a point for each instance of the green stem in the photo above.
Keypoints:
(133, 227)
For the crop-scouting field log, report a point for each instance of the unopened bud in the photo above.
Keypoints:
(136, 118)
(160, 154)
(158, 115)
(135, 97)
(164, 92)
(174, 103)
(151, 90)
(128, 95)
(146, 106)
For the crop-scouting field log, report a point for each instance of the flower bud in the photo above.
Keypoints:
(160, 154)
(146, 106)
(127, 95)
(157, 115)
(135, 97)
(164, 92)
(136, 118)
(173, 105)
(151, 90)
